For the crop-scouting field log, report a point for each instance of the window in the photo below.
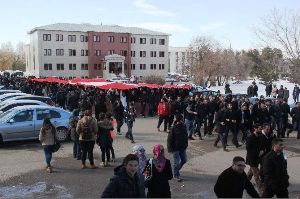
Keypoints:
(47, 52)
(153, 66)
(54, 114)
(97, 52)
(123, 53)
(142, 53)
(59, 52)
(152, 40)
(161, 67)
(123, 39)
(60, 67)
(47, 37)
(153, 54)
(24, 116)
(142, 40)
(97, 66)
(82, 52)
(72, 52)
(132, 66)
(96, 38)
(47, 66)
(86, 52)
(111, 39)
(161, 41)
(72, 38)
(72, 66)
(41, 114)
(59, 37)
(111, 52)
(161, 53)
(142, 66)
(83, 38)
(132, 53)
(133, 40)
(84, 66)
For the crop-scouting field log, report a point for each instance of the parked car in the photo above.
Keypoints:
(10, 95)
(25, 122)
(46, 100)
(14, 103)
(205, 93)
(170, 79)
(9, 91)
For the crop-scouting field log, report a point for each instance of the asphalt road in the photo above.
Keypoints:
(23, 175)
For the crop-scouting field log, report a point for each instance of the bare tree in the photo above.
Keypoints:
(281, 29)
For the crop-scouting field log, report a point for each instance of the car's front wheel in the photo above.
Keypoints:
(61, 134)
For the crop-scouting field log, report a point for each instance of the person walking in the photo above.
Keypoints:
(126, 182)
(47, 138)
(177, 143)
(130, 114)
(104, 139)
(87, 129)
(233, 181)
(286, 93)
(163, 111)
(73, 120)
(140, 152)
(231, 125)
(252, 157)
(119, 115)
(220, 127)
(189, 119)
(295, 114)
(296, 92)
(159, 168)
(276, 178)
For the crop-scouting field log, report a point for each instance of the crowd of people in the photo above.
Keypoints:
(262, 124)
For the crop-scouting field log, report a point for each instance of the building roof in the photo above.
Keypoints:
(85, 27)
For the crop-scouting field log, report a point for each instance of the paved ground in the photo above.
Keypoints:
(22, 172)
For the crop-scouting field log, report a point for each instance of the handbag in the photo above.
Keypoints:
(56, 146)
(148, 178)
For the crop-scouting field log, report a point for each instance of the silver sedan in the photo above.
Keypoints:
(25, 122)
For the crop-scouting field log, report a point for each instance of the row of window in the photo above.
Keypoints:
(99, 67)
(152, 66)
(96, 38)
(62, 67)
(72, 52)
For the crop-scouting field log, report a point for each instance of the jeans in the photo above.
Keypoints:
(105, 152)
(48, 154)
(76, 150)
(198, 125)
(120, 123)
(163, 119)
(179, 158)
(129, 132)
(189, 127)
(221, 132)
(87, 149)
(234, 134)
(244, 130)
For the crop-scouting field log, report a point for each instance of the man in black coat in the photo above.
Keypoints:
(127, 182)
(177, 143)
(202, 110)
(295, 113)
(233, 181)
(119, 115)
(244, 121)
(252, 157)
(276, 178)
(231, 124)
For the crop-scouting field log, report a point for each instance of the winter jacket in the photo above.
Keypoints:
(177, 138)
(119, 112)
(295, 113)
(121, 185)
(275, 171)
(46, 137)
(92, 123)
(252, 147)
(231, 184)
(103, 136)
(265, 144)
(163, 109)
(286, 94)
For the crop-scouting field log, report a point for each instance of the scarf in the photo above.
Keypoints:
(159, 159)
(139, 150)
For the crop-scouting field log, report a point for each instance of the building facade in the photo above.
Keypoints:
(85, 50)
(178, 59)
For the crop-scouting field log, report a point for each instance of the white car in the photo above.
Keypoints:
(9, 91)
(10, 95)
(9, 104)
(25, 122)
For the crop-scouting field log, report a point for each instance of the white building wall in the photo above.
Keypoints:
(148, 60)
(177, 59)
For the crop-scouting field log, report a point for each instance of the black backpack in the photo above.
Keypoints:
(86, 131)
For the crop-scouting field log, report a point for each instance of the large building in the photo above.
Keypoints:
(178, 60)
(85, 50)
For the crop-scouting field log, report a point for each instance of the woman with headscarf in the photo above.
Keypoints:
(161, 171)
(140, 151)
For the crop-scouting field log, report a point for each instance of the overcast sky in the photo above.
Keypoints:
(229, 21)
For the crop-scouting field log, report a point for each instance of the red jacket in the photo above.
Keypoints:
(163, 109)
